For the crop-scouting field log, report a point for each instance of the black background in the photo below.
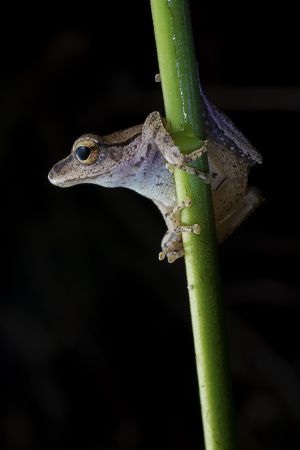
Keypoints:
(96, 344)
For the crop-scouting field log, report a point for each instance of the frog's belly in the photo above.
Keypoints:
(154, 181)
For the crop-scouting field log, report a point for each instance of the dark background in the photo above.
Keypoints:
(96, 345)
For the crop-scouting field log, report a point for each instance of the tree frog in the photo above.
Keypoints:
(142, 158)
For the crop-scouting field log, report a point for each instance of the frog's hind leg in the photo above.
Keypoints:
(243, 208)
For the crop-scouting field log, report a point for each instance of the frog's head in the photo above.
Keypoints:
(90, 161)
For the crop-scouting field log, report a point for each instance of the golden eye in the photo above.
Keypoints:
(87, 152)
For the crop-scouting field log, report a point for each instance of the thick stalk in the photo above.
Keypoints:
(178, 73)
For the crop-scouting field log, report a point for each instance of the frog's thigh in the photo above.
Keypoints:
(233, 217)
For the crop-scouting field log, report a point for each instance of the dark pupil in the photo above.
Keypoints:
(83, 153)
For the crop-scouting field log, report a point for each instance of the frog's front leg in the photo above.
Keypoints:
(172, 246)
(154, 128)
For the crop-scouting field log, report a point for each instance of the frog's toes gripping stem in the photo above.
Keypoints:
(172, 246)
(183, 161)
(174, 217)
(206, 177)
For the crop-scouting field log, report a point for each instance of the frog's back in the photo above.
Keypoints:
(219, 128)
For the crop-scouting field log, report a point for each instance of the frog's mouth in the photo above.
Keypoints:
(61, 181)
(69, 172)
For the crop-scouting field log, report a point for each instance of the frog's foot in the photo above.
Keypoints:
(183, 161)
(172, 246)
(206, 177)
(175, 219)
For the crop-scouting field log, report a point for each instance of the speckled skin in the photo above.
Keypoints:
(136, 158)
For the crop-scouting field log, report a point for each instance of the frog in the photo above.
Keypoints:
(143, 158)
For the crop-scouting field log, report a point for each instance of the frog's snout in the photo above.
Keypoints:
(61, 173)
(54, 178)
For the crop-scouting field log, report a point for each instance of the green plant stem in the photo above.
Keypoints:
(178, 74)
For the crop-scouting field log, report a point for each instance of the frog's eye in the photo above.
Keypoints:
(87, 152)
